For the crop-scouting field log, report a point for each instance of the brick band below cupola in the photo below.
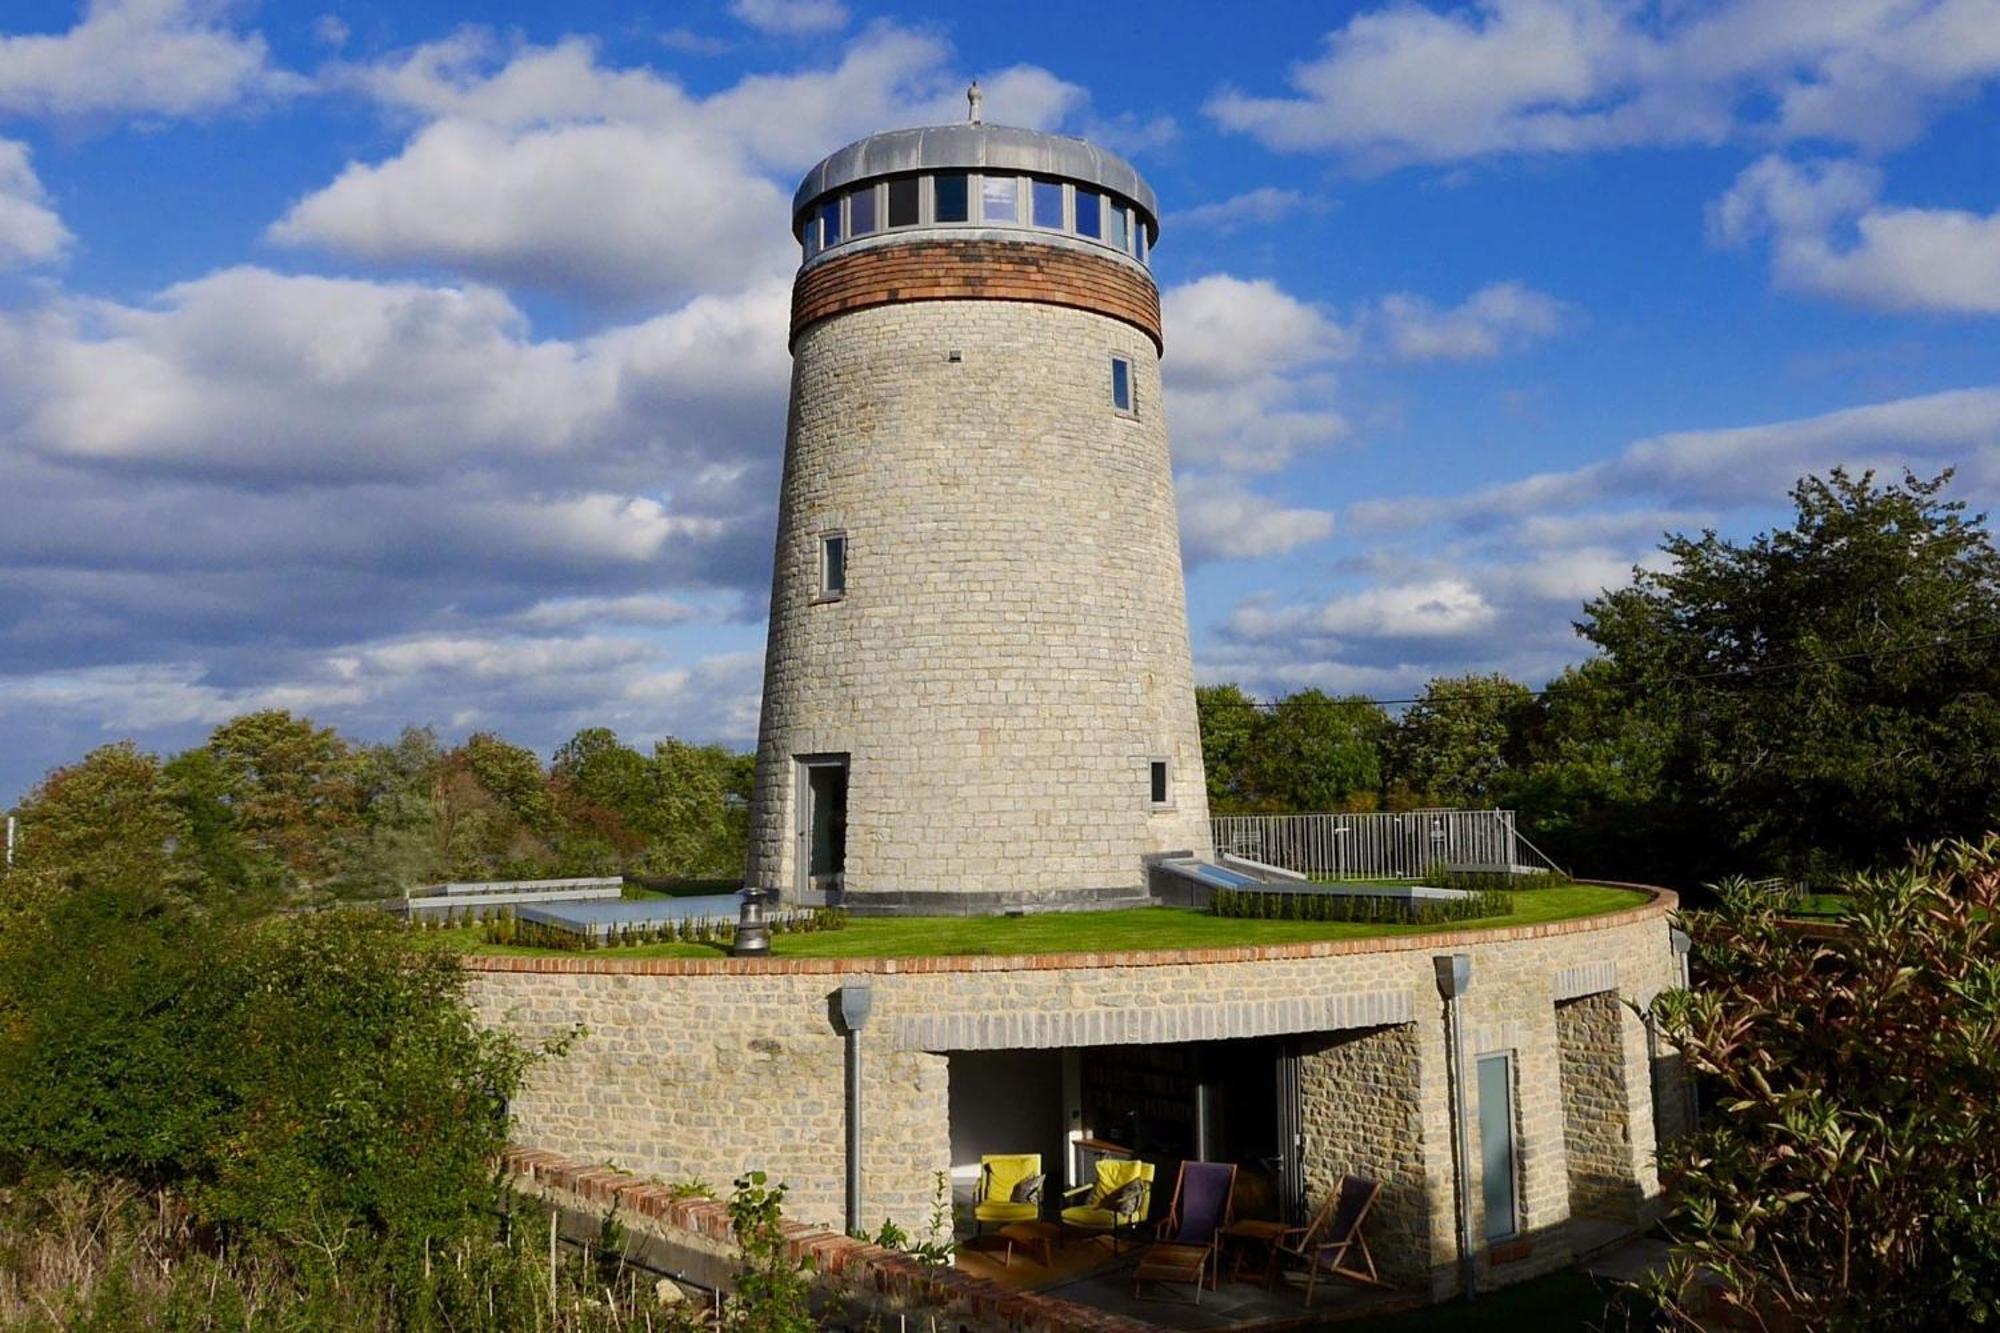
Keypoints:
(975, 271)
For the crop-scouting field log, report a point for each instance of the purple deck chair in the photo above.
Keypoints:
(1185, 1251)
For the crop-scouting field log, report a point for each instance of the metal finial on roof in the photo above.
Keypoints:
(973, 98)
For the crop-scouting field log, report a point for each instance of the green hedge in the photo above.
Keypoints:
(506, 928)
(1365, 908)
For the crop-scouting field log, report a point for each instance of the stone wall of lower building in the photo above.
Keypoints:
(1362, 1103)
(704, 1069)
(1597, 1121)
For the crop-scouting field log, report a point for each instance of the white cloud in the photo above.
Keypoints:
(1442, 608)
(1497, 316)
(1263, 205)
(1407, 83)
(634, 609)
(543, 168)
(1738, 467)
(1222, 521)
(257, 375)
(1830, 236)
(531, 209)
(166, 57)
(1246, 373)
(791, 18)
(30, 231)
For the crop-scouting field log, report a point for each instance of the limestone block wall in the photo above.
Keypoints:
(708, 1068)
(1363, 1109)
(1597, 1120)
(1011, 652)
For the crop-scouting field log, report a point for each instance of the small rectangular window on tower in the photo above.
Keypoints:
(829, 223)
(1121, 384)
(832, 566)
(954, 201)
(903, 202)
(1161, 793)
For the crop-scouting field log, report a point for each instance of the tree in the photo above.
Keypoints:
(292, 791)
(1833, 686)
(687, 816)
(1314, 752)
(1458, 744)
(1589, 784)
(1849, 1174)
(1228, 720)
(110, 815)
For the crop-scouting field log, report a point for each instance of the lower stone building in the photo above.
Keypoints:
(1301, 1062)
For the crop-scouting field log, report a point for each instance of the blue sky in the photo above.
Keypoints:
(424, 362)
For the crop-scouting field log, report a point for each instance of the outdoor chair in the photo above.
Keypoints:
(1333, 1243)
(1186, 1250)
(1118, 1200)
(1001, 1178)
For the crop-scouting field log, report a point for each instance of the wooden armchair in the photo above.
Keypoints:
(1333, 1242)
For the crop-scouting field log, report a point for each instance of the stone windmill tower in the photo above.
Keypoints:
(978, 693)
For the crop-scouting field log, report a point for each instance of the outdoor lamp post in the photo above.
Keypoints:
(753, 924)
(1454, 979)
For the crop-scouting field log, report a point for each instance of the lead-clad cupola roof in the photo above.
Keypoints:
(977, 147)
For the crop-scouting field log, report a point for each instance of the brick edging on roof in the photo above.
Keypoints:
(1664, 902)
(890, 1272)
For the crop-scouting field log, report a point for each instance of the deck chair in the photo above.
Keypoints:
(1186, 1248)
(1333, 1243)
(1000, 1176)
(1093, 1217)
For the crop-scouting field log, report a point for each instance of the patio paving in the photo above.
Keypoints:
(1088, 1274)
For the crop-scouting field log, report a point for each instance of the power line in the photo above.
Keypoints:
(1722, 673)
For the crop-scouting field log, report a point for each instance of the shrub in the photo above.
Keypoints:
(1847, 1176)
(315, 1078)
(1364, 908)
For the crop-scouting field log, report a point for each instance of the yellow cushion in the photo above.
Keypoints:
(1000, 1173)
(1092, 1219)
(1006, 1212)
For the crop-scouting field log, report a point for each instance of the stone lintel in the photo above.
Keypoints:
(1574, 983)
(1133, 1026)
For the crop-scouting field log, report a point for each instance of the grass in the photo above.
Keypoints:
(1083, 932)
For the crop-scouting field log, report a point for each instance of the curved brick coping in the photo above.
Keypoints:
(889, 1273)
(1663, 903)
(975, 271)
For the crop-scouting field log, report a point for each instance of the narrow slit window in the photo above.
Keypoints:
(1089, 213)
(861, 211)
(903, 202)
(833, 566)
(1049, 204)
(1139, 238)
(999, 200)
(1161, 789)
(829, 223)
(953, 197)
(1121, 383)
(1118, 233)
(1496, 1144)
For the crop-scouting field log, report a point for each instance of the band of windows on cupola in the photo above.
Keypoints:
(966, 198)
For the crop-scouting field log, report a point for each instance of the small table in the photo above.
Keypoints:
(1255, 1234)
(1037, 1238)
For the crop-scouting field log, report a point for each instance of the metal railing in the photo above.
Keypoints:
(1407, 844)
